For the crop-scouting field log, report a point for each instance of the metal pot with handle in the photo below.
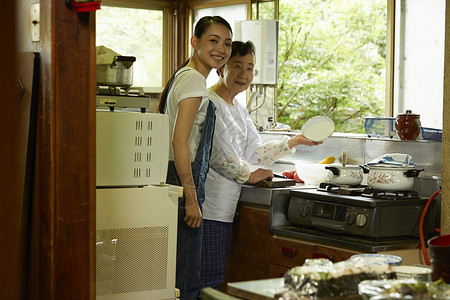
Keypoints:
(345, 174)
(348, 175)
(119, 73)
(390, 178)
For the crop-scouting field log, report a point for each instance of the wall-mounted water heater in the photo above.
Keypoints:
(264, 35)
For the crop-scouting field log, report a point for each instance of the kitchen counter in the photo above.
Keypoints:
(264, 289)
(264, 196)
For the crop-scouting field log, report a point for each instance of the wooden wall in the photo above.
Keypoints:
(62, 255)
(65, 193)
(10, 140)
(445, 202)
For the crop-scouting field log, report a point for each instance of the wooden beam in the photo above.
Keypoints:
(64, 219)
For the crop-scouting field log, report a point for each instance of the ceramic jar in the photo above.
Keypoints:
(408, 125)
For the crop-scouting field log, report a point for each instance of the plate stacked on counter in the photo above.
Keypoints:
(422, 273)
(392, 260)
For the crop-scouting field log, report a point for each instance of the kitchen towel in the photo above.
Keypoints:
(394, 159)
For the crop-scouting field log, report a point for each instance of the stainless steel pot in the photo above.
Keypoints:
(389, 178)
(119, 73)
(345, 175)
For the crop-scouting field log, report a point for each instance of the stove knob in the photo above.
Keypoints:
(361, 220)
(350, 218)
(305, 211)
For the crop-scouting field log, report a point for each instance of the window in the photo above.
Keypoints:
(419, 60)
(332, 61)
(134, 32)
(336, 59)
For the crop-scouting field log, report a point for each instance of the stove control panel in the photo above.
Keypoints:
(376, 221)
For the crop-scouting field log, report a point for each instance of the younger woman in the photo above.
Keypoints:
(191, 120)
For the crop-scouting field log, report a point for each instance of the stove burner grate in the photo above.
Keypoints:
(116, 90)
(366, 191)
(357, 189)
(390, 195)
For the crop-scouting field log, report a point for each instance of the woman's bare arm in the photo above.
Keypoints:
(187, 110)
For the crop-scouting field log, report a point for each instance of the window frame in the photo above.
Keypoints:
(169, 19)
(389, 91)
(168, 42)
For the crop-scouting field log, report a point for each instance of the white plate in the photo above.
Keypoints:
(391, 260)
(318, 128)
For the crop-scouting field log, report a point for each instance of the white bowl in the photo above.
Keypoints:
(311, 173)
(318, 128)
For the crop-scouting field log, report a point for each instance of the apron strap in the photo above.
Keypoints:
(170, 86)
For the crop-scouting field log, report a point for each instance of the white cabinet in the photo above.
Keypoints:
(136, 242)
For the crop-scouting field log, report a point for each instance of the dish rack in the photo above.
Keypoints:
(380, 127)
(431, 133)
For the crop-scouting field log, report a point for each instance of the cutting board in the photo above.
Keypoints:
(276, 182)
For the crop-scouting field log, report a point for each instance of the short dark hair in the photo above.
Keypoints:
(241, 48)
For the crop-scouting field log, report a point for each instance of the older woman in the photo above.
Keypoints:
(236, 146)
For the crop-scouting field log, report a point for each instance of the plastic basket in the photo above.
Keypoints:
(380, 127)
(431, 133)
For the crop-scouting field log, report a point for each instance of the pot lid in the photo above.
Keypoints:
(392, 167)
(340, 166)
(409, 113)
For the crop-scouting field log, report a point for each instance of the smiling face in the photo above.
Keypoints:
(213, 48)
(238, 72)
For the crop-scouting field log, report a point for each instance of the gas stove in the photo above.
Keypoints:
(118, 97)
(362, 214)
(353, 216)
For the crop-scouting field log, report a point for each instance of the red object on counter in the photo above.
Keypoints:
(296, 178)
(289, 174)
(85, 6)
(292, 175)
